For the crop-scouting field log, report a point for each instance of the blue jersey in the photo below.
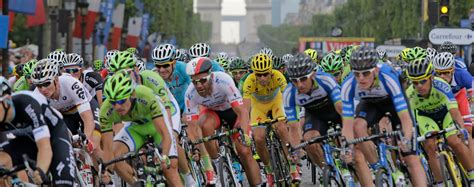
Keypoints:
(461, 79)
(216, 67)
(459, 63)
(179, 83)
(386, 85)
(289, 102)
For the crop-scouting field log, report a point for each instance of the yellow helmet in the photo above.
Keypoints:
(403, 55)
(313, 54)
(261, 63)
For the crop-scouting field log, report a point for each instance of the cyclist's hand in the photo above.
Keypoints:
(38, 176)
(89, 146)
(405, 145)
(347, 155)
(106, 177)
(165, 162)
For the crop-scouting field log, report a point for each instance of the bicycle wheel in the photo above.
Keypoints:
(226, 174)
(329, 178)
(280, 164)
(382, 178)
(462, 175)
(445, 171)
(196, 172)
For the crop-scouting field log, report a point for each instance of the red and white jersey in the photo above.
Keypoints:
(224, 96)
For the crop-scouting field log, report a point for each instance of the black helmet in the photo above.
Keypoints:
(300, 65)
(364, 58)
(419, 69)
(448, 46)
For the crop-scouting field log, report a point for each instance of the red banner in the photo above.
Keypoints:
(39, 18)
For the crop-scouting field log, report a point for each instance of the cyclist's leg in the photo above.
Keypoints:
(459, 148)
(128, 139)
(366, 114)
(171, 173)
(62, 166)
(425, 125)
(361, 167)
(251, 168)
(464, 108)
(278, 110)
(210, 122)
(311, 129)
(259, 114)
(96, 135)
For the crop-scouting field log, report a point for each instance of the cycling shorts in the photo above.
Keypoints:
(228, 118)
(428, 122)
(260, 110)
(373, 110)
(319, 119)
(134, 136)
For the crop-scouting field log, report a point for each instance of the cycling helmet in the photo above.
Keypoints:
(181, 55)
(443, 61)
(313, 54)
(364, 58)
(287, 57)
(98, 65)
(404, 54)
(277, 63)
(58, 56)
(119, 86)
(448, 46)
(163, 53)
(132, 50)
(346, 53)
(331, 62)
(141, 64)
(382, 54)
(108, 56)
(199, 50)
(44, 71)
(4, 87)
(261, 63)
(430, 53)
(419, 68)
(73, 59)
(18, 70)
(28, 67)
(198, 65)
(300, 65)
(122, 60)
(223, 63)
(230, 59)
(266, 51)
(237, 63)
(415, 53)
(222, 55)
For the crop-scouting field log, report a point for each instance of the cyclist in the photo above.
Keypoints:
(319, 94)
(224, 63)
(313, 54)
(58, 56)
(222, 105)
(460, 81)
(333, 64)
(449, 47)
(45, 140)
(435, 108)
(141, 64)
(380, 92)
(279, 65)
(137, 104)
(263, 91)
(174, 75)
(223, 55)
(182, 55)
(430, 53)
(17, 74)
(69, 96)
(204, 50)
(98, 65)
(105, 72)
(286, 58)
(266, 51)
(92, 81)
(24, 83)
(238, 68)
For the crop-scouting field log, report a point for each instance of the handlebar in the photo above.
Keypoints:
(315, 140)
(435, 133)
(218, 136)
(373, 137)
(268, 122)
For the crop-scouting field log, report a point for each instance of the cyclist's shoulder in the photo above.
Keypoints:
(29, 97)
(441, 85)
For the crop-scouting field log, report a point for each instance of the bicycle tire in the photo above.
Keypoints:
(280, 164)
(463, 175)
(196, 172)
(445, 172)
(226, 174)
(382, 178)
(329, 179)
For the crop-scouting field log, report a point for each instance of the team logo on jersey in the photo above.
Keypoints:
(78, 89)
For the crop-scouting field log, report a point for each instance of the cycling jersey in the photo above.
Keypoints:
(459, 63)
(289, 102)
(346, 70)
(216, 66)
(179, 83)
(461, 79)
(36, 120)
(92, 82)
(252, 88)
(224, 96)
(240, 84)
(103, 73)
(21, 84)
(386, 85)
(435, 107)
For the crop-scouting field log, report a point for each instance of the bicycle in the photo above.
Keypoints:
(149, 171)
(335, 171)
(28, 165)
(84, 170)
(195, 165)
(452, 171)
(279, 162)
(386, 172)
(227, 155)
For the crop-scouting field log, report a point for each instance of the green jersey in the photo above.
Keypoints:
(440, 96)
(154, 81)
(241, 82)
(21, 84)
(145, 108)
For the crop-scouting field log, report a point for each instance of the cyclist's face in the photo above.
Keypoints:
(423, 87)
(202, 83)
(263, 78)
(238, 74)
(446, 75)
(365, 78)
(47, 89)
(123, 108)
(303, 83)
(75, 71)
(165, 70)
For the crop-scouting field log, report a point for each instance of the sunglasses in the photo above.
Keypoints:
(165, 66)
(365, 73)
(300, 79)
(445, 72)
(262, 74)
(201, 80)
(420, 82)
(119, 102)
(72, 70)
(239, 72)
(46, 84)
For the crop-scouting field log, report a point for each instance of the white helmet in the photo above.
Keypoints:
(287, 57)
(199, 50)
(140, 64)
(73, 59)
(266, 51)
(45, 71)
(163, 53)
(430, 53)
(443, 61)
(109, 56)
(58, 56)
(222, 55)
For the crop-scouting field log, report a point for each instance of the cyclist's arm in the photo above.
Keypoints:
(99, 96)
(347, 97)
(162, 128)
(407, 124)
(88, 118)
(45, 153)
(248, 89)
(107, 142)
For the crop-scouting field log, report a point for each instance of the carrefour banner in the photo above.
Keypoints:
(326, 44)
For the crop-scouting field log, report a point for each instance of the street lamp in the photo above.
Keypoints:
(53, 6)
(69, 6)
(83, 5)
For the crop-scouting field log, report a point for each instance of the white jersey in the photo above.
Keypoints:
(224, 96)
(72, 94)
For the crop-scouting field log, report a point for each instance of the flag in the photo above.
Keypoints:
(4, 31)
(117, 20)
(93, 9)
(108, 12)
(22, 6)
(134, 27)
(11, 16)
(144, 30)
(39, 18)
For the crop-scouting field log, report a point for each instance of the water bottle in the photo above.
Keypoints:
(86, 175)
(238, 171)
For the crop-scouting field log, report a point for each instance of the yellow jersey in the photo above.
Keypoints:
(264, 93)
